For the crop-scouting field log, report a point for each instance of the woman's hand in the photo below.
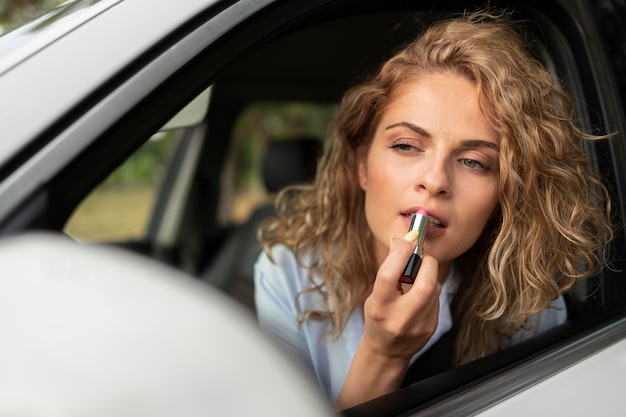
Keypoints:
(396, 326)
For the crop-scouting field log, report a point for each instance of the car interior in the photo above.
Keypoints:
(270, 97)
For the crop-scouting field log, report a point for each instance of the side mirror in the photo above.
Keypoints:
(99, 331)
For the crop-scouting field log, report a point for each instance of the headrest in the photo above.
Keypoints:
(290, 161)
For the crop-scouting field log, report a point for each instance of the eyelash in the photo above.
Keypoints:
(479, 165)
(405, 146)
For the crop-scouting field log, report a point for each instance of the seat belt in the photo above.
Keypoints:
(438, 358)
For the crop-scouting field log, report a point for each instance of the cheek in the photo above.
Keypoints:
(484, 204)
(381, 200)
(383, 187)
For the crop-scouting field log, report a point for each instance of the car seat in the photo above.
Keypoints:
(287, 161)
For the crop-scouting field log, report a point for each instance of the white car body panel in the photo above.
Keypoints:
(80, 62)
(594, 386)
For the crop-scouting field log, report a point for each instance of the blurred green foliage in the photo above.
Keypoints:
(119, 208)
(15, 13)
(144, 167)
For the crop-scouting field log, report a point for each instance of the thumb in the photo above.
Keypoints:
(400, 250)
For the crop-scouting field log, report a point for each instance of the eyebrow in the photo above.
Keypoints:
(469, 143)
(411, 126)
(479, 143)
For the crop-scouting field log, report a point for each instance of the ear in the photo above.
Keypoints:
(363, 170)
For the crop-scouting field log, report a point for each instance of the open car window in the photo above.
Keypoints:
(118, 210)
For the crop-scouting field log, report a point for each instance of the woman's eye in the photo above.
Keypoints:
(474, 164)
(404, 146)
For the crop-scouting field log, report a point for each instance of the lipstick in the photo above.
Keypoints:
(419, 222)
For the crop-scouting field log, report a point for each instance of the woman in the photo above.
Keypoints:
(465, 124)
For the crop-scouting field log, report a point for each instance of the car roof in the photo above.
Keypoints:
(327, 54)
(21, 43)
(89, 46)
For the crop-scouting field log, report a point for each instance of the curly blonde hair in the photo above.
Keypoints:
(553, 222)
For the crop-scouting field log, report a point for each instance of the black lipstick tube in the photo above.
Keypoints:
(419, 222)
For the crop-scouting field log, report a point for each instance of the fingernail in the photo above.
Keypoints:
(412, 235)
(393, 237)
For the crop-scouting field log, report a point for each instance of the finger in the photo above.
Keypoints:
(386, 284)
(422, 299)
(426, 286)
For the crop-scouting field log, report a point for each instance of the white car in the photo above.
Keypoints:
(210, 107)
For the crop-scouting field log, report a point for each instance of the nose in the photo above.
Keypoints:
(435, 178)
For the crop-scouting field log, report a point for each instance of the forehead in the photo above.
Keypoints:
(444, 104)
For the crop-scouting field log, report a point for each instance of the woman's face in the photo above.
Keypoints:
(433, 150)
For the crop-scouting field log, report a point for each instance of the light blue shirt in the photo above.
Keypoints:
(327, 358)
